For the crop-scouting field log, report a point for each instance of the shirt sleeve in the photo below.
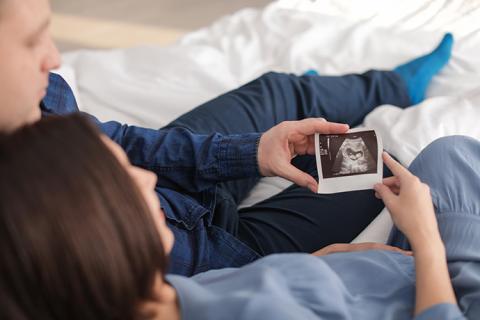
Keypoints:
(443, 311)
(182, 160)
(186, 160)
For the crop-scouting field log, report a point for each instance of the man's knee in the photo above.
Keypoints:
(272, 77)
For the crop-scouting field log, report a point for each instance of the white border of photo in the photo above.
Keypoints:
(350, 183)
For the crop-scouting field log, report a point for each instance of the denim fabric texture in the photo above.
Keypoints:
(188, 166)
(206, 165)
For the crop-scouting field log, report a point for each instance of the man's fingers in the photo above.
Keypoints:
(381, 246)
(319, 125)
(311, 145)
(367, 246)
(397, 169)
(299, 177)
(333, 127)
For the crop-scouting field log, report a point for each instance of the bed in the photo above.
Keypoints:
(151, 85)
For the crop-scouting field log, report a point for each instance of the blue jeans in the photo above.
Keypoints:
(295, 220)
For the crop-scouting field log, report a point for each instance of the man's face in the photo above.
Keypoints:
(27, 54)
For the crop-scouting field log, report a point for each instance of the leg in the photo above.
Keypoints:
(299, 220)
(451, 168)
(262, 103)
(274, 97)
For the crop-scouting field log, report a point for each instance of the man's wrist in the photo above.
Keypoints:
(238, 155)
(260, 156)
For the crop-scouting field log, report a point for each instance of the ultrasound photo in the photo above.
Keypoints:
(348, 154)
(355, 153)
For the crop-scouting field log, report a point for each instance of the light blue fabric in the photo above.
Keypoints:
(367, 285)
(358, 285)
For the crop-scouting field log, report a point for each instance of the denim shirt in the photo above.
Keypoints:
(188, 167)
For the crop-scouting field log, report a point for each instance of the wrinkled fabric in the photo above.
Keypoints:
(359, 285)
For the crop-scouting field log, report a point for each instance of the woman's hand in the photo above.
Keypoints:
(281, 143)
(350, 247)
(410, 204)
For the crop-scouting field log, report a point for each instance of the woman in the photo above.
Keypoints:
(88, 240)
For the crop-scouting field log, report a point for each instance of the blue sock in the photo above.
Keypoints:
(419, 72)
(310, 72)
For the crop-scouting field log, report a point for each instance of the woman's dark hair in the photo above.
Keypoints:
(77, 240)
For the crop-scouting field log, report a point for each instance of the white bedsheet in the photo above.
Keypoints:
(150, 86)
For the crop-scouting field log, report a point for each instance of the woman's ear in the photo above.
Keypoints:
(164, 304)
(148, 311)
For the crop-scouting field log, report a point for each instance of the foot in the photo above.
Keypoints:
(310, 72)
(419, 72)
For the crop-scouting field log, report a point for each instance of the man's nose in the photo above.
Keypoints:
(52, 58)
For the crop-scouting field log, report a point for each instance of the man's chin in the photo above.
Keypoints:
(35, 115)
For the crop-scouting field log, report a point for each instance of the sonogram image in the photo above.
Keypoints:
(353, 157)
(348, 154)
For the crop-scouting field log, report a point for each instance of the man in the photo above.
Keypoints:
(209, 159)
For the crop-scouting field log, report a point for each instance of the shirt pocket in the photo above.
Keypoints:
(181, 208)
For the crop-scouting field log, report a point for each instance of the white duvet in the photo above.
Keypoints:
(151, 86)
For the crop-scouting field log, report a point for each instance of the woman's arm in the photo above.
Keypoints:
(433, 281)
(410, 204)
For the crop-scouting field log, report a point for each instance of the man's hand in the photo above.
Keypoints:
(351, 247)
(288, 139)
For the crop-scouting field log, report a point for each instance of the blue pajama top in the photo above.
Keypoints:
(357, 285)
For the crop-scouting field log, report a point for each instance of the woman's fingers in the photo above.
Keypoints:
(391, 181)
(384, 192)
(397, 169)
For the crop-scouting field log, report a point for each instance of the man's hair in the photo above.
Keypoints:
(77, 240)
